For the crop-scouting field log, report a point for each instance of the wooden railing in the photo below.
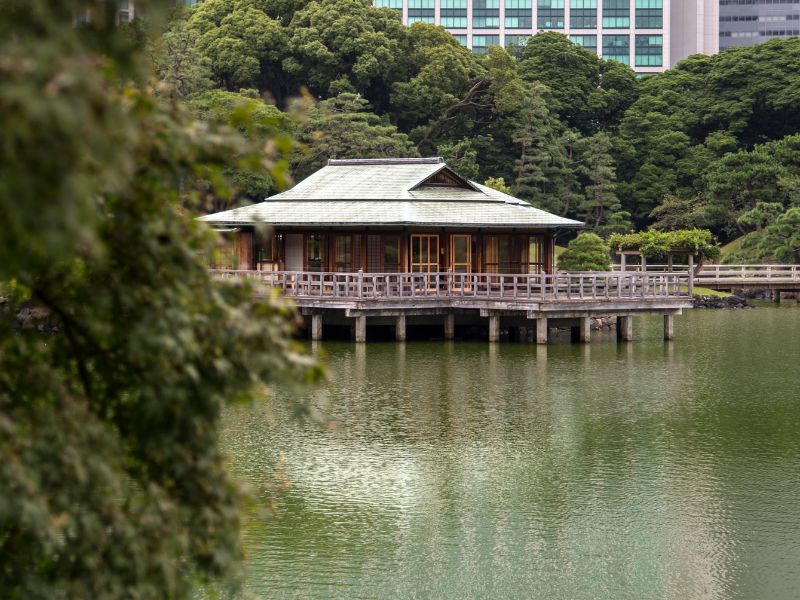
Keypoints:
(535, 287)
(730, 273)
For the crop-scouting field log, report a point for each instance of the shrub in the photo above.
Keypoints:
(587, 252)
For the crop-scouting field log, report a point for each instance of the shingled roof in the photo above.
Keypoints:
(390, 192)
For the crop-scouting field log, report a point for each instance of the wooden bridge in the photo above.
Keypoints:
(520, 300)
(776, 278)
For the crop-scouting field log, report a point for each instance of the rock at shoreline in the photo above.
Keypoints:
(725, 302)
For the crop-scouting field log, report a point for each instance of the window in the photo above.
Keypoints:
(344, 253)
(394, 4)
(461, 39)
(583, 14)
(504, 253)
(516, 41)
(485, 14)
(586, 41)
(315, 252)
(453, 15)
(481, 42)
(648, 50)
(421, 10)
(649, 14)
(536, 255)
(424, 253)
(550, 14)
(616, 14)
(518, 14)
(617, 47)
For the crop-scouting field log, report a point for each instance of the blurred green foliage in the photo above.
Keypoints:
(112, 484)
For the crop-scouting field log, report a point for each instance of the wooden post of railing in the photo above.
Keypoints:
(360, 285)
(690, 284)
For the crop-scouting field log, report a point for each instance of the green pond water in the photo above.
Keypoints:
(464, 470)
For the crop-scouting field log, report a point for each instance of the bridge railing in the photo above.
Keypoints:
(411, 286)
(712, 273)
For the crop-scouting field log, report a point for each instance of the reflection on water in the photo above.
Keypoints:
(463, 470)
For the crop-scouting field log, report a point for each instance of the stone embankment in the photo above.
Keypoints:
(726, 302)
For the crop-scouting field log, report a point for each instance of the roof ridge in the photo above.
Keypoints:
(432, 160)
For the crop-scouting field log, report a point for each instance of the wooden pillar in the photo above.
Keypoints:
(494, 328)
(449, 326)
(622, 262)
(669, 327)
(541, 330)
(316, 326)
(585, 333)
(625, 328)
(400, 329)
(669, 262)
(361, 329)
(776, 296)
(691, 274)
(644, 263)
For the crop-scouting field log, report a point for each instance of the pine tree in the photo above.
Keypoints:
(600, 199)
(536, 136)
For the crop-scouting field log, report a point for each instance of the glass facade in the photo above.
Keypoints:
(617, 47)
(583, 14)
(649, 50)
(516, 41)
(649, 14)
(616, 14)
(485, 14)
(586, 41)
(453, 15)
(481, 42)
(748, 22)
(550, 14)
(631, 32)
(519, 14)
(421, 11)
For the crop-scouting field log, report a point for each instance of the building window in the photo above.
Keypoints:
(648, 50)
(616, 14)
(649, 14)
(421, 11)
(453, 15)
(585, 41)
(461, 39)
(617, 47)
(315, 252)
(518, 14)
(516, 41)
(481, 42)
(393, 4)
(550, 14)
(583, 14)
(485, 14)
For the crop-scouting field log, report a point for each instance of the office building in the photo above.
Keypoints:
(638, 33)
(748, 22)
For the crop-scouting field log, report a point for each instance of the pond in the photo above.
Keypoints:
(653, 469)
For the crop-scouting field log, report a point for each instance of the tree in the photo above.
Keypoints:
(113, 484)
(260, 122)
(245, 47)
(462, 157)
(178, 63)
(540, 153)
(587, 252)
(349, 39)
(587, 92)
(342, 127)
(497, 183)
(600, 193)
(676, 212)
(781, 238)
